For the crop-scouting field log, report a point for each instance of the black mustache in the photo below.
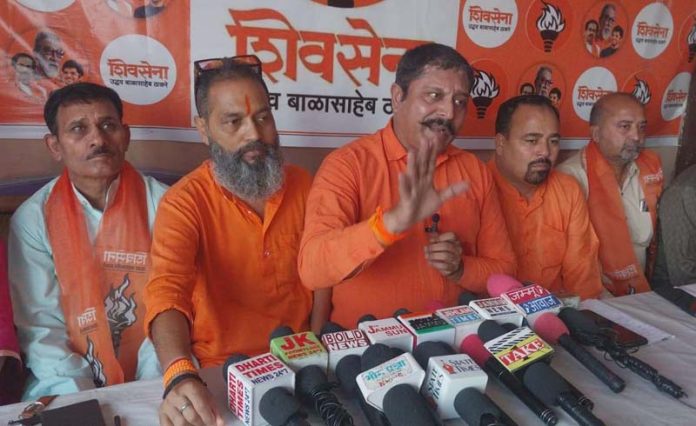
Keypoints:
(541, 161)
(439, 122)
(100, 151)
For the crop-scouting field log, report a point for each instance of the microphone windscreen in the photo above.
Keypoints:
(544, 382)
(401, 311)
(281, 331)
(471, 405)
(578, 321)
(425, 350)
(473, 346)
(508, 326)
(308, 379)
(366, 317)
(277, 406)
(489, 330)
(375, 355)
(347, 370)
(403, 405)
(549, 327)
(331, 327)
(465, 297)
(681, 299)
(498, 284)
(232, 359)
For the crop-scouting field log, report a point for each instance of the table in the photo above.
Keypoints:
(639, 404)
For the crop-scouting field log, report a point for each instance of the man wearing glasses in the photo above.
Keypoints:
(48, 51)
(400, 218)
(224, 252)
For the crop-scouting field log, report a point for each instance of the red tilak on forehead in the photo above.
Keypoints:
(248, 104)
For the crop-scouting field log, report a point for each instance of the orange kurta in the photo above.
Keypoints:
(232, 274)
(551, 234)
(351, 183)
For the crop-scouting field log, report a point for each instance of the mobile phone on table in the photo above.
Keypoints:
(624, 337)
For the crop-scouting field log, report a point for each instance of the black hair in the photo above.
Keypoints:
(229, 71)
(16, 57)
(591, 21)
(555, 90)
(42, 36)
(414, 61)
(618, 29)
(78, 93)
(508, 108)
(71, 63)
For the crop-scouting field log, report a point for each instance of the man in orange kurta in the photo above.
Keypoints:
(545, 211)
(224, 252)
(372, 200)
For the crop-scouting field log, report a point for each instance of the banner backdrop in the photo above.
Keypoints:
(329, 64)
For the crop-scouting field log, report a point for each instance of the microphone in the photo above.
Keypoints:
(533, 300)
(477, 409)
(404, 406)
(347, 370)
(552, 329)
(586, 331)
(330, 327)
(473, 346)
(377, 354)
(518, 356)
(464, 319)
(546, 384)
(497, 309)
(298, 350)
(375, 382)
(679, 298)
(248, 381)
(433, 228)
(313, 387)
(388, 331)
(466, 297)
(279, 408)
(446, 375)
(340, 343)
(427, 327)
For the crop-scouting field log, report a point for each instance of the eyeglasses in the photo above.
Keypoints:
(48, 51)
(215, 64)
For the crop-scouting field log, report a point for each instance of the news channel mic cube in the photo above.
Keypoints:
(376, 382)
(464, 319)
(428, 327)
(518, 348)
(533, 300)
(300, 350)
(388, 331)
(248, 380)
(498, 310)
(446, 376)
(343, 343)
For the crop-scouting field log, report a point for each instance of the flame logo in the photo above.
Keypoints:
(551, 19)
(483, 92)
(485, 85)
(641, 91)
(120, 311)
(691, 39)
(95, 365)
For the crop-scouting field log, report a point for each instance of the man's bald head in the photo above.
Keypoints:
(606, 102)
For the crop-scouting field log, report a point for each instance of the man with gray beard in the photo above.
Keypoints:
(545, 211)
(224, 252)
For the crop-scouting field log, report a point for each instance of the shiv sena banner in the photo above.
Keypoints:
(329, 64)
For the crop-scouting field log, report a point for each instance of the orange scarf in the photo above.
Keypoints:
(616, 253)
(101, 285)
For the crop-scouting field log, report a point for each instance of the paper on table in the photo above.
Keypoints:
(650, 332)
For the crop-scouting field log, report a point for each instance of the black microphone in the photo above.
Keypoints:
(551, 388)
(232, 359)
(403, 405)
(347, 370)
(473, 346)
(279, 408)
(477, 409)
(552, 329)
(587, 332)
(490, 329)
(375, 355)
(313, 387)
(679, 298)
(331, 327)
(465, 297)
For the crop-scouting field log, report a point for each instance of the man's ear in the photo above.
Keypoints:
(53, 146)
(397, 96)
(499, 142)
(202, 127)
(594, 132)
